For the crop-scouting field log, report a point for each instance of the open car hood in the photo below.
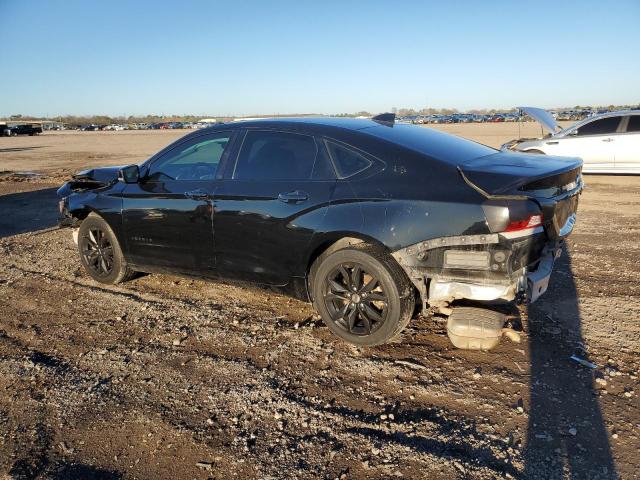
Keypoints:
(543, 117)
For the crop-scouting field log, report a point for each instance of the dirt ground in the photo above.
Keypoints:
(166, 378)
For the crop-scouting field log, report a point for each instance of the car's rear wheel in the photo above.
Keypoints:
(362, 295)
(100, 252)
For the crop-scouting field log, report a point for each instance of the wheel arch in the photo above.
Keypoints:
(333, 242)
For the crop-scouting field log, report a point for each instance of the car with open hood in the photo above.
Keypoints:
(607, 143)
(372, 221)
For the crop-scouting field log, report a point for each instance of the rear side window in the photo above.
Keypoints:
(348, 162)
(269, 155)
(634, 123)
(603, 126)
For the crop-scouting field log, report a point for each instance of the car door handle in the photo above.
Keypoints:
(197, 194)
(607, 139)
(293, 197)
(552, 143)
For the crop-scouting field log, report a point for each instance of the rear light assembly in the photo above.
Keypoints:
(532, 221)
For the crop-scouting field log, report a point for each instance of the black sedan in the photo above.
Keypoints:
(22, 129)
(370, 220)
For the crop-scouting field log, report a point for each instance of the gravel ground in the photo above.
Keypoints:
(163, 377)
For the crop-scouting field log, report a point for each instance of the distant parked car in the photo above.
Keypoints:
(607, 143)
(22, 129)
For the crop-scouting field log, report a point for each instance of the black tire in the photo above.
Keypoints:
(100, 252)
(362, 294)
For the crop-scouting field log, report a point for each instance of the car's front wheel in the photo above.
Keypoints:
(362, 295)
(100, 252)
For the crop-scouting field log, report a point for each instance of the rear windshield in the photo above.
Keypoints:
(438, 145)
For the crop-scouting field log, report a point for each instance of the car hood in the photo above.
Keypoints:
(90, 179)
(101, 174)
(543, 117)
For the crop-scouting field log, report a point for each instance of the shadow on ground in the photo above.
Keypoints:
(18, 149)
(28, 211)
(566, 435)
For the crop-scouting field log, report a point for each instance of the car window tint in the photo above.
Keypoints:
(634, 123)
(347, 161)
(322, 168)
(268, 155)
(600, 127)
(195, 160)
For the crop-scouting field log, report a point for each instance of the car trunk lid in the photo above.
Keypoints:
(552, 182)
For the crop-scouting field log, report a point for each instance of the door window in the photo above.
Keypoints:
(603, 126)
(270, 155)
(194, 160)
(634, 124)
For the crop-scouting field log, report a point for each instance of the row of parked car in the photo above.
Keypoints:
(494, 118)
(141, 126)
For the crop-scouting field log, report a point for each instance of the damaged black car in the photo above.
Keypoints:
(372, 221)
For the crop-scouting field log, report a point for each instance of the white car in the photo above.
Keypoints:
(607, 143)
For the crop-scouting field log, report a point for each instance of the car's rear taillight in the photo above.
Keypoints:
(532, 221)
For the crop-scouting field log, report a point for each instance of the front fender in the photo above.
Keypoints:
(106, 202)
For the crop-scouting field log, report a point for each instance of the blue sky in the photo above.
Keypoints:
(123, 57)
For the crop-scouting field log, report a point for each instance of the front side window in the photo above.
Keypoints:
(634, 124)
(269, 155)
(195, 160)
(348, 162)
(603, 126)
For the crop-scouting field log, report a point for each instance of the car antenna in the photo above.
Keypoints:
(387, 119)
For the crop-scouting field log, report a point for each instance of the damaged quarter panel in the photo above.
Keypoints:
(402, 199)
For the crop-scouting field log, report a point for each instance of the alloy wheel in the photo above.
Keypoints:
(98, 252)
(356, 299)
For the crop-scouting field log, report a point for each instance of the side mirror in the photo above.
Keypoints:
(573, 133)
(129, 174)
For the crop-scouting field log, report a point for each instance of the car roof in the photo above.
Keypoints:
(426, 141)
(584, 121)
(347, 123)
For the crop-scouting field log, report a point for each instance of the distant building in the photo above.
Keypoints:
(208, 120)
